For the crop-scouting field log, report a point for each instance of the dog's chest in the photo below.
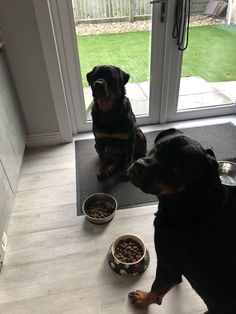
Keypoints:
(197, 247)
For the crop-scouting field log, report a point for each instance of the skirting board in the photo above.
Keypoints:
(45, 139)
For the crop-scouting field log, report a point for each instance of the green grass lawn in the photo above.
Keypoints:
(211, 53)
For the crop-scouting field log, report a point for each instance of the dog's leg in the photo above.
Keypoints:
(100, 147)
(114, 166)
(137, 149)
(167, 276)
(128, 160)
(129, 155)
(140, 146)
(102, 171)
(142, 299)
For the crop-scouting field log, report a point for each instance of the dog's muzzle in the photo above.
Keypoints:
(100, 89)
(136, 171)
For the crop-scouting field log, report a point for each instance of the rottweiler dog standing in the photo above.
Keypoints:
(195, 225)
(118, 140)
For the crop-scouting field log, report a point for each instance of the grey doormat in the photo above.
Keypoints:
(221, 138)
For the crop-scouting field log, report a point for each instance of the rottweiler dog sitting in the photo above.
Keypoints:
(195, 225)
(118, 140)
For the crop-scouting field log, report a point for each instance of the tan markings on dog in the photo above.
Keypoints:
(105, 104)
(121, 136)
(101, 135)
(102, 170)
(162, 190)
(165, 190)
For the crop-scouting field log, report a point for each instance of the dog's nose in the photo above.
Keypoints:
(99, 88)
(99, 84)
(139, 166)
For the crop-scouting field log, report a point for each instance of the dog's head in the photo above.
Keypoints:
(175, 163)
(108, 85)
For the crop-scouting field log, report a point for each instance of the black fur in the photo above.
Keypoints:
(195, 226)
(113, 117)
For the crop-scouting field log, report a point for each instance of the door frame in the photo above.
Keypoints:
(171, 82)
(61, 14)
(65, 36)
(56, 81)
(66, 82)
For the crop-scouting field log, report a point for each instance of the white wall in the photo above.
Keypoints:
(25, 56)
(12, 144)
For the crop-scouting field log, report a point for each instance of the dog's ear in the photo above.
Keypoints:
(89, 75)
(124, 77)
(214, 166)
(210, 152)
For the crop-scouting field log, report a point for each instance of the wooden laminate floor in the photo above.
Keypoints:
(56, 262)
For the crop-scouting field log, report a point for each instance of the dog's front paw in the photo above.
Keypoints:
(142, 299)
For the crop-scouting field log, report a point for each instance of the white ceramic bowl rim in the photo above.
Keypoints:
(231, 163)
(227, 162)
(127, 236)
(99, 194)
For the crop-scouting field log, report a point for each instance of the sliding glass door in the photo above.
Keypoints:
(127, 34)
(207, 67)
(148, 40)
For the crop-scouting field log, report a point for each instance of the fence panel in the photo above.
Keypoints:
(89, 10)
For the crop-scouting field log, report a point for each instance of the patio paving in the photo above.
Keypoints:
(194, 92)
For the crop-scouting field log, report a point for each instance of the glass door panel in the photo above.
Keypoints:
(209, 65)
(120, 33)
(208, 74)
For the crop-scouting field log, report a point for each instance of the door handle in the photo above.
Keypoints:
(163, 8)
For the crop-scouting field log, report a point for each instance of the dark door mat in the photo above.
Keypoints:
(221, 138)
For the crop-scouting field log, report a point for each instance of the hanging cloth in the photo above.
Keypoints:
(182, 18)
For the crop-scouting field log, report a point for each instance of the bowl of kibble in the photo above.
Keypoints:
(128, 256)
(99, 208)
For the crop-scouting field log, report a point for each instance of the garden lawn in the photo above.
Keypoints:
(211, 53)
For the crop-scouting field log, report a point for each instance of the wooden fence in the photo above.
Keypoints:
(110, 10)
(92, 11)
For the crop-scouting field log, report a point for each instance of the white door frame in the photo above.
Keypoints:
(50, 51)
(171, 83)
(57, 32)
(68, 58)
(65, 36)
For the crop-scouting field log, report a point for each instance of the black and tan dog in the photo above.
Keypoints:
(195, 225)
(118, 139)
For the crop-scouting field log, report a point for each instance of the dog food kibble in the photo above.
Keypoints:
(128, 251)
(99, 209)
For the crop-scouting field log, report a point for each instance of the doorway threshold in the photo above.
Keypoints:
(194, 92)
(178, 125)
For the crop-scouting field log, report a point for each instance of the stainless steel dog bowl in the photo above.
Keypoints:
(128, 269)
(107, 201)
(227, 171)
